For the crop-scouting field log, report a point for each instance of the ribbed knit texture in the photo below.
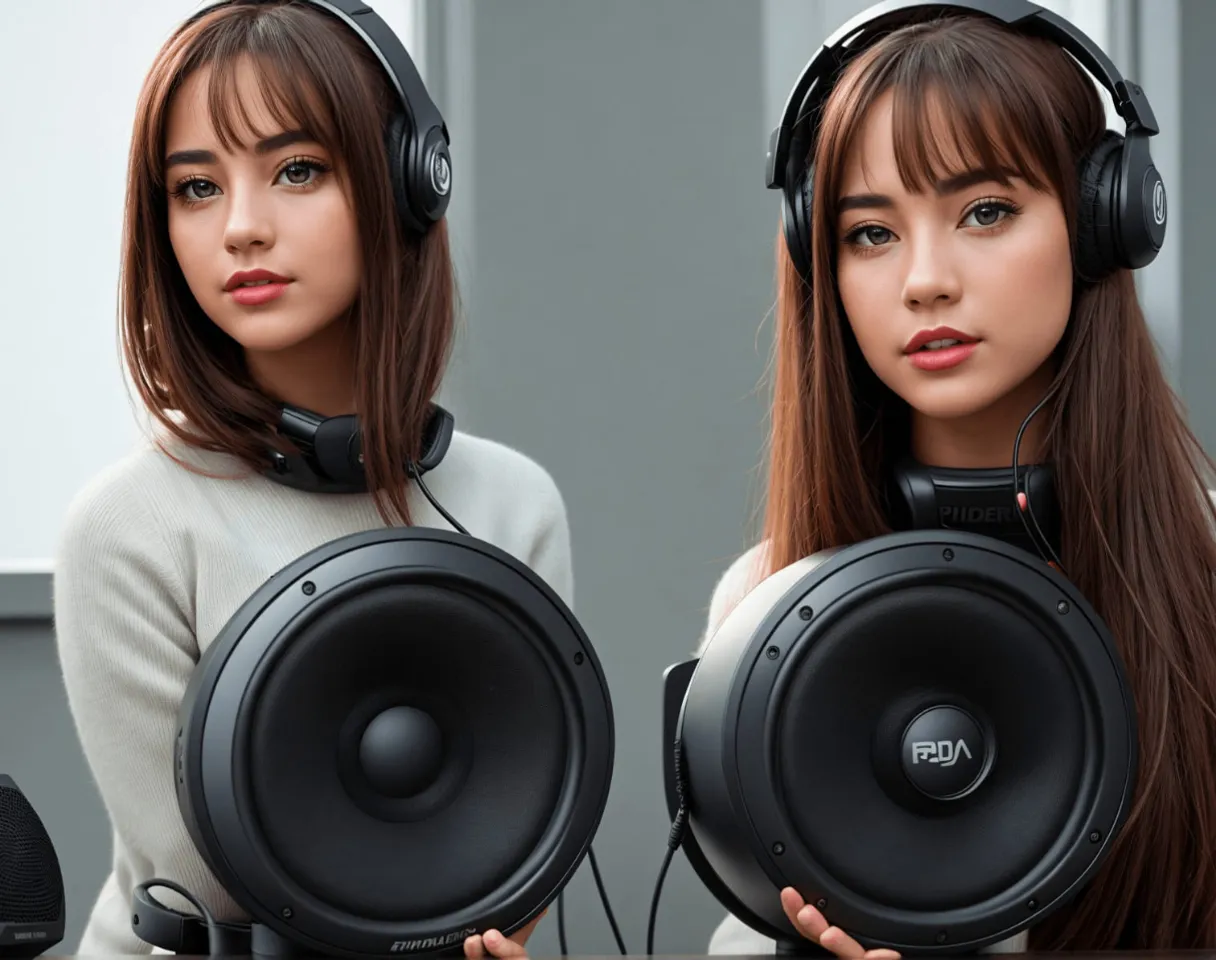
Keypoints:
(152, 562)
(732, 936)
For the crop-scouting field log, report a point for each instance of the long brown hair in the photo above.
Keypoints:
(1137, 537)
(191, 375)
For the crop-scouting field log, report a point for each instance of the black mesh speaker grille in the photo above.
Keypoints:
(31, 886)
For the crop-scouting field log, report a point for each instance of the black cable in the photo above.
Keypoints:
(599, 883)
(561, 924)
(1021, 486)
(417, 475)
(675, 837)
(214, 946)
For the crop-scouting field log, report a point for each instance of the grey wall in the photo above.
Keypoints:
(621, 241)
(615, 246)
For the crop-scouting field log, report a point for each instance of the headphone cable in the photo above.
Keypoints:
(1025, 508)
(675, 837)
(595, 869)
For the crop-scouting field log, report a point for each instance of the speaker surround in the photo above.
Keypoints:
(32, 908)
(929, 734)
(402, 738)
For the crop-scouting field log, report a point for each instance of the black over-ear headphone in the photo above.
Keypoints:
(1121, 220)
(330, 457)
(416, 136)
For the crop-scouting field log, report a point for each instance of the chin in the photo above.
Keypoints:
(955, 400)
(271, 331)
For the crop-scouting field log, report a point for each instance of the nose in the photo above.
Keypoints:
(250, 223)
(932, 278)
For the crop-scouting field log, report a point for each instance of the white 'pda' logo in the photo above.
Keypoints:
(939, 751)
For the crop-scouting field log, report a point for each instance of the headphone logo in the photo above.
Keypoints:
(1159, 202)
(441, 174)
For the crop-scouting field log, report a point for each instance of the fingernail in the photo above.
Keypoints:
(492, 937)
(805, 915)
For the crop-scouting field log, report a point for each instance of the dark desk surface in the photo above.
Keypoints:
(1114, 955)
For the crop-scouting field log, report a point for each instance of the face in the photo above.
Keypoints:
(957, 296)
(265, 235)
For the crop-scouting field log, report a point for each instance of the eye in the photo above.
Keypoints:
(988, 213)
(868, 236)
(195, 190)
(302, 173)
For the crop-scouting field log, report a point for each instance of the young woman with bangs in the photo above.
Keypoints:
(264, 265)
(947, 297)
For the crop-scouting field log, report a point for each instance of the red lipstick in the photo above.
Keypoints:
(927, 351)
(253, 287)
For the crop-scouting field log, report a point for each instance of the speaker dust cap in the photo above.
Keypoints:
(402, 738)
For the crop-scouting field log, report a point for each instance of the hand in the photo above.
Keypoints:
(494, 944)
(811, 924)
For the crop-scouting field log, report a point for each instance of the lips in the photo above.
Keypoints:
(937, 339)
(253, 278)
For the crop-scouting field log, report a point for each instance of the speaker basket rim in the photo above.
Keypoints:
(748, 772)
(209, 722)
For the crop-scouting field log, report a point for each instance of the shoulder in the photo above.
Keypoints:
(146, 485)
(503, 496)
(500, 482)
(511, 469)
(741, 575)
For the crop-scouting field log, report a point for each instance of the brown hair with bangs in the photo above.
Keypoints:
(316, 75)
(1137, 535)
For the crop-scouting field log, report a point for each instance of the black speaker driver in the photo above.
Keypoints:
(401, 738)
(929, 735)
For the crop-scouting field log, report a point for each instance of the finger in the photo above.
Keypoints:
(882, 955)
(841, 944)
(500, 946)
(473, 948)
(792, 903)
(812, 923)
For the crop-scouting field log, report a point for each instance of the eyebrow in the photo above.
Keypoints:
(277, 142)
(942, 188)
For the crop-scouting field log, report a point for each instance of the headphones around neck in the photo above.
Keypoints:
(330, 457)
(416, 137)
(1122, 215)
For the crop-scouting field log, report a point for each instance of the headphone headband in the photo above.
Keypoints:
(416, 136)
(1129, 99)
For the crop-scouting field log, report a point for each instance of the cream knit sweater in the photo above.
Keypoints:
(153, 560)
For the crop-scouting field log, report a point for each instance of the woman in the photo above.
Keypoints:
(985, 268)
(264, 263)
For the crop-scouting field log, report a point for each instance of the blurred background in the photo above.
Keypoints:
(614, 242)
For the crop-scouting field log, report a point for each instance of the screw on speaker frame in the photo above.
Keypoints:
(806, 613)
(578, 659)
(773, 653)
(1062, 607)
(947, 554)
(287, 913)
(309, 588)
(778, 848)
(941, 937)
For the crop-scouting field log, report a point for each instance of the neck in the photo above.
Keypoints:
(317, 374)
(986, 438)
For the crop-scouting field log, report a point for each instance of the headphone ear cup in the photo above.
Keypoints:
(796, 218)
(397, 147)
(1097, 253)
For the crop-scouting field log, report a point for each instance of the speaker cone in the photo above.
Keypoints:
(929, 733)
(402, 738)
